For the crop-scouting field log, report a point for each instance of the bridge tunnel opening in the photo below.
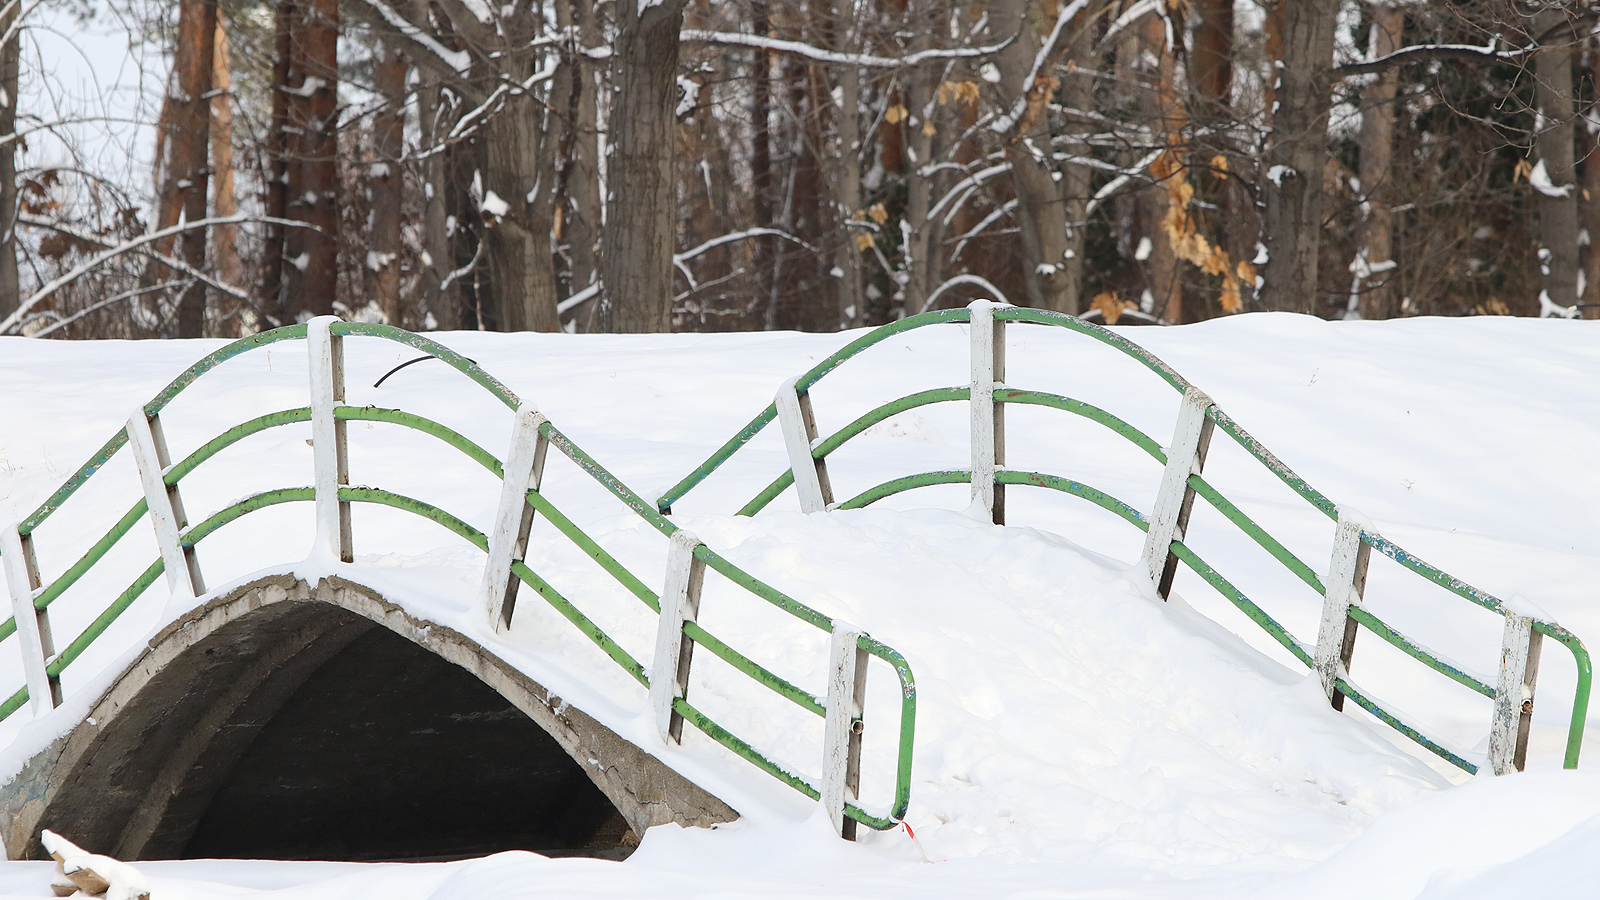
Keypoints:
(387, 751)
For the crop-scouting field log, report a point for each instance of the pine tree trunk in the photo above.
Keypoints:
(1297, 150)
(761, 165)
(10, 60)
(276, 194)
(1377, 181)
(844, 171)
(1158, 264)
(1558, 204)
(1077, 94)
(429, 294)
(922, 269)
(190, 146)
(582, 210)
(385, 184)
(521, 269)
(1039, 214)
(224, 238)
(641, 172)
(313, 253)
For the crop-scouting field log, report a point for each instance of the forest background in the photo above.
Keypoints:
(657, 165)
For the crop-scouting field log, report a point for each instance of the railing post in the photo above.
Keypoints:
(799, 429)
(329, 451)
(1344, 587)
(680, 603)
(1169, 520)
(33, 624)
(150, 455)
(1513, 696)
(988, 357)
(508, 539)
(841, 738)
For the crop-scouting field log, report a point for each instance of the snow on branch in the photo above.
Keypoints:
(459, 60)
(115, 298)
(136, 244)
(974, 280)
(475, 118)
(732, 236)
(862, 60)
(1005, 123)
(1425, 52)
(965, 185)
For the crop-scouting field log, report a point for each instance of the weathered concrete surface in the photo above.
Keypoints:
(169, 731)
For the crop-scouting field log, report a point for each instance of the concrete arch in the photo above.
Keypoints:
(136, 775)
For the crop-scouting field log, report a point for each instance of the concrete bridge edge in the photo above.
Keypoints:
(93, 757)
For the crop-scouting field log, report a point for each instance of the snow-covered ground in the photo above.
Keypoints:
(1075, 736)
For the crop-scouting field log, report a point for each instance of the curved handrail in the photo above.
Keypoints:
(1004, 393)
(193, 535)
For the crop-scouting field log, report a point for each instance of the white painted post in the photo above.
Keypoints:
(799, 429)
(1343, 588)
(508, 539)
(150, 455)
(329, 452)
(988, 357)
(841, 737)
(33, 624)
(1513, 696)
(1170, 517)
(680, 603)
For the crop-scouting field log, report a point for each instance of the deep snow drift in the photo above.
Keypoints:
(1075, 736)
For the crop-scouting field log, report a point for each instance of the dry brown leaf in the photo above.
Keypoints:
(1231, 302)
(928, 129)
(1110, 306)
(878, 213)
(895, 114)
(863, 241)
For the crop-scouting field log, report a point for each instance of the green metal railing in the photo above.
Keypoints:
(49, 592)
(1006, 394)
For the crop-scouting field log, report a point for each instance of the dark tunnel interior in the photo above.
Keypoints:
(389, 752)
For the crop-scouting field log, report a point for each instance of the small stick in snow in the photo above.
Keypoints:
(91, 874)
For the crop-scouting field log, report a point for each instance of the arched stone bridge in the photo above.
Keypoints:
(325, 722)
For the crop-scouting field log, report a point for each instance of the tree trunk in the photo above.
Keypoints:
(844, 171)
(1158, 263)
(1039, 214)
(1297, 150)
(582, 211)
(385, 185)
(1211, 64)
(224, 238)
(1558, 201)
(921, 268)
(429, 295)
(10, 63)
(641, 172)
(516, 213)
(1077, 94)
(314, 169)
(276, 200)
(1375, 261)
(1589, 211)
(766, 284)
(189, 148)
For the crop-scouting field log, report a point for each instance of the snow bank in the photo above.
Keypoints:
(1074, 733)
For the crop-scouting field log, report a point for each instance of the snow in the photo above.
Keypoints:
(1539, 179)
(1075, 736)
(494, 205)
